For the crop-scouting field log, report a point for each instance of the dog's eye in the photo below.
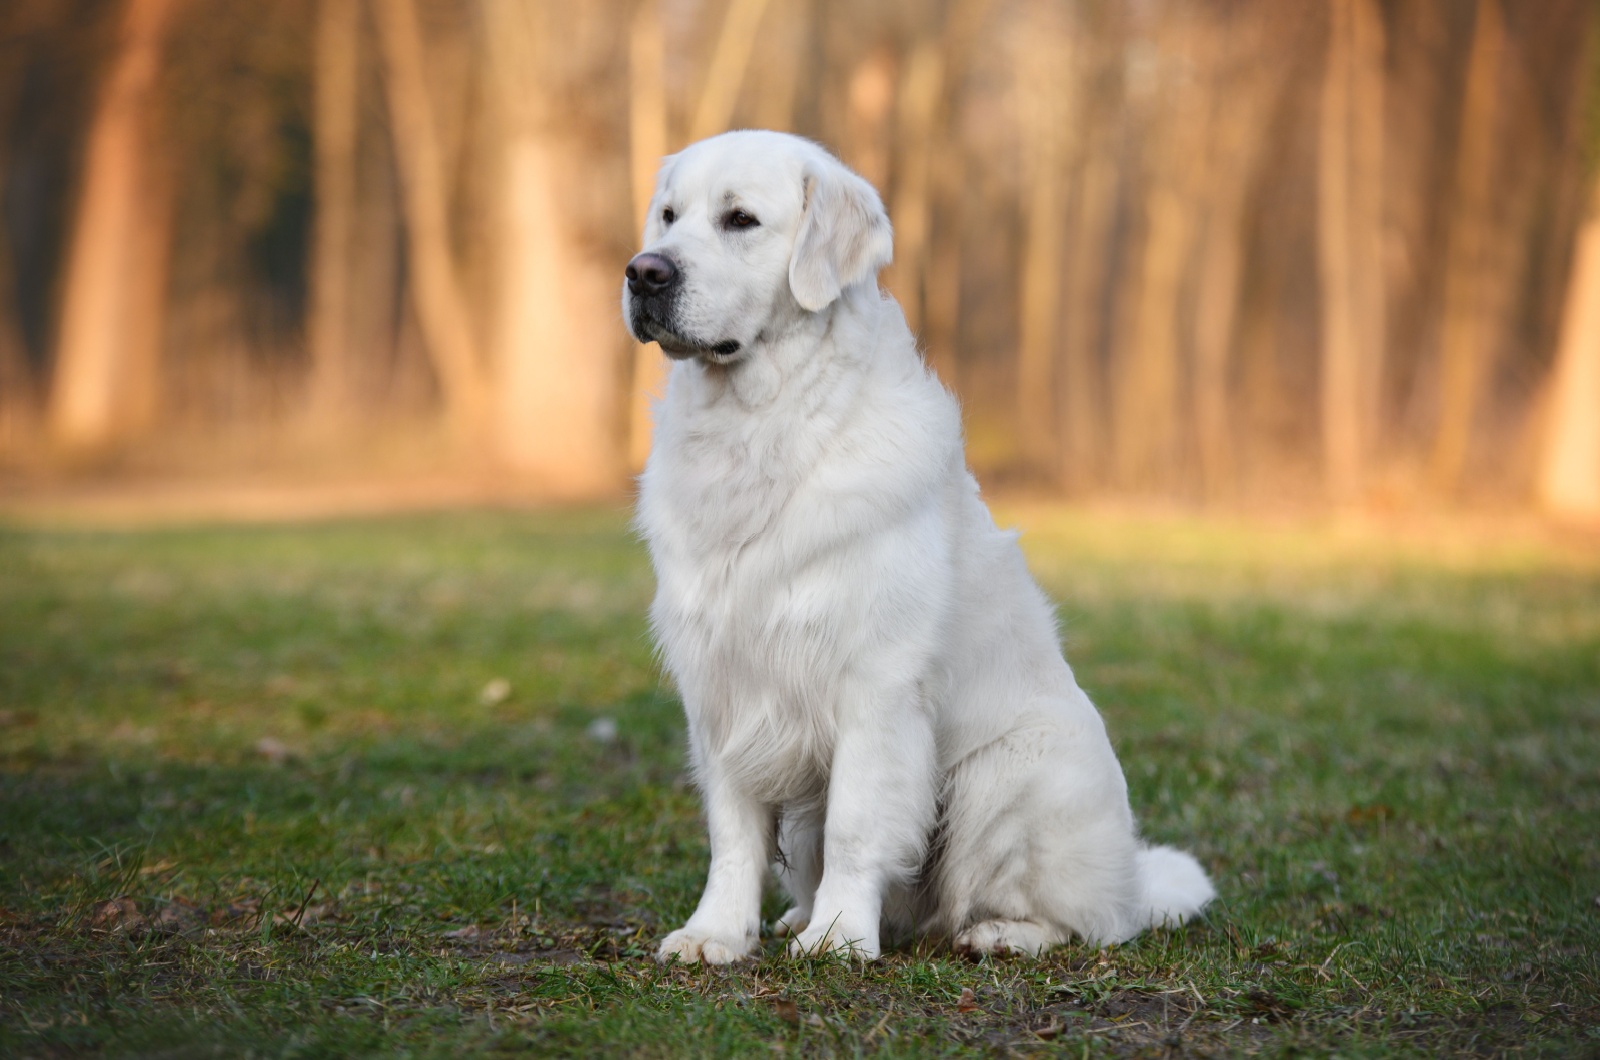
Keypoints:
(739, 219)
(667, 216)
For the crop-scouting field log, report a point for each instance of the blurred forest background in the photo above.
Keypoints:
(1219, 251)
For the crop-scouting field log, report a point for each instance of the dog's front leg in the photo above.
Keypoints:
(881, 806)
(726, 925)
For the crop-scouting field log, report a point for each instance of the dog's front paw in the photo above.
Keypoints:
(791, 923)
(836, 936)
(691, 946)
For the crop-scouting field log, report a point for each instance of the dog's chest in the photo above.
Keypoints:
(748, 617)
(738, 600)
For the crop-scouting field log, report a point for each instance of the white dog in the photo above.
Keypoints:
(875, 691)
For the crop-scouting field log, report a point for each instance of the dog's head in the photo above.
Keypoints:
(747, 230)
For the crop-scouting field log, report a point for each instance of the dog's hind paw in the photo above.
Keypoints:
(791, 923)
(692, 947)
(1005, 936)
(835, 938)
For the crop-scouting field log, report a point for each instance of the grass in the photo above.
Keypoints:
(413, 786)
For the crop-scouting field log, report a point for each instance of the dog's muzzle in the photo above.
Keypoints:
(654, 281)
(653, 285)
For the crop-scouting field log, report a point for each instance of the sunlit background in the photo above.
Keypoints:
(1275, 325)
(1231, 252)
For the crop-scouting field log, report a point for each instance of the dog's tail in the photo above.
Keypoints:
(1175, 886)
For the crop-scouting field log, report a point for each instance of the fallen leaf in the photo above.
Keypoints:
(968, 1002)
(246, 913)
(1375, 812)
(306, 917)
(471, 931)
(119, 914)
(787, 1011)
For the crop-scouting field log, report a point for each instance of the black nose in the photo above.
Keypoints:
(650, 274)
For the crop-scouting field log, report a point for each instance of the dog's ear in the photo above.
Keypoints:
(844, 235)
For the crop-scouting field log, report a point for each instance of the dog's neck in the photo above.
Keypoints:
(795, 356)
(743, 435)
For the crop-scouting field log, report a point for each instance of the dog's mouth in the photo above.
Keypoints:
(680, 348)
(725, 352)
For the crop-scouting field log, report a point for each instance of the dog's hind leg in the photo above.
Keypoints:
(799, 865)
(1039, 843)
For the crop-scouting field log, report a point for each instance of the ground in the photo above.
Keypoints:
(413, 785)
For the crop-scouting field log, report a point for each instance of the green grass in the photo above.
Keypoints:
(254, 800)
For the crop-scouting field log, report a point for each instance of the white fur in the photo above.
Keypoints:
(875, 692)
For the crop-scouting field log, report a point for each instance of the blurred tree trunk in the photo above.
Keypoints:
(19, 395)
(1569, 472)
(1149, 387)
(1217, 305)
(1464, 336)
(869, 116)
(108, 353)
(921, 90)
(1350, 220)
(786, 46)
(1240, 96)
(1083, 318)
(647, 145)
(18, 389)
(334, 132)
(648, 132)
(726, 71)
(1424, 90)
(378, 372)
(1046, 71)
(941, 273)
(559, 410)
(439, 296)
